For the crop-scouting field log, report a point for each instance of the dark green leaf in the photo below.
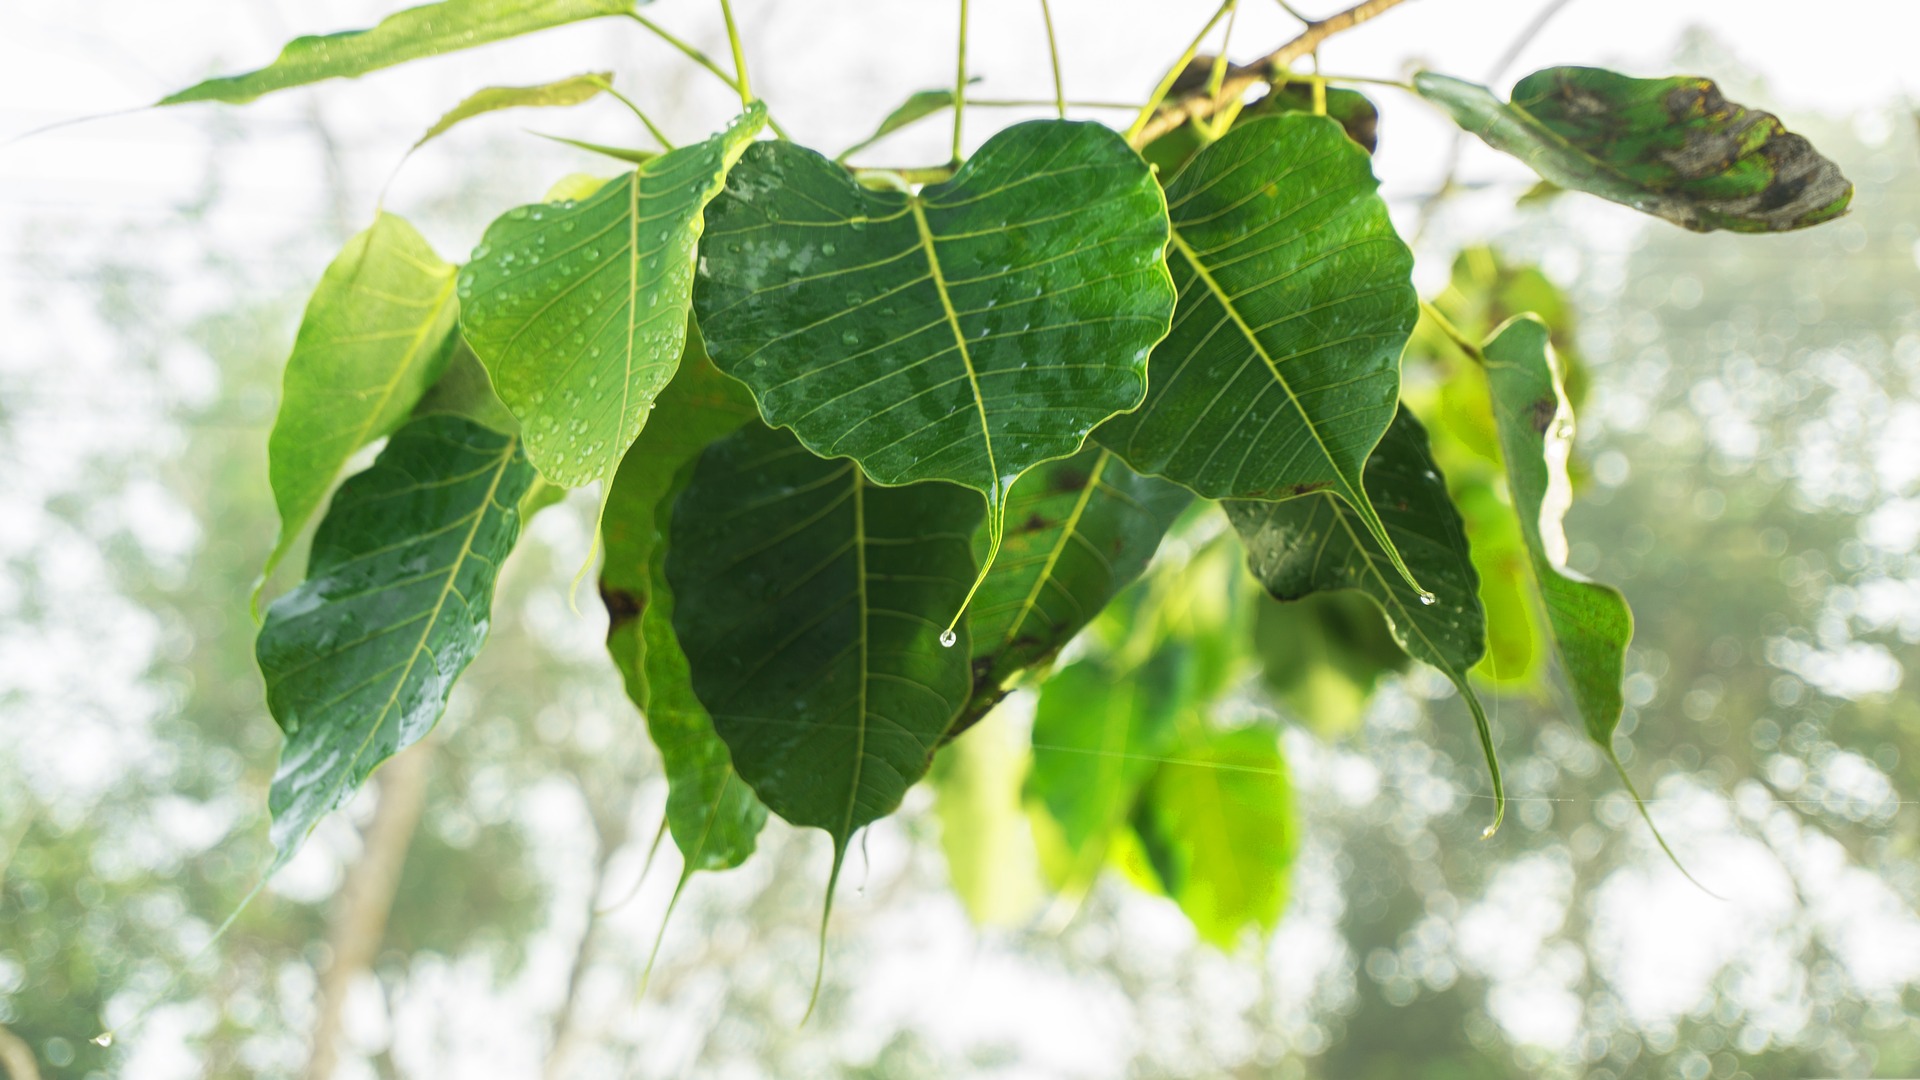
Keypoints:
(807, 599)
(1311, 544)
(1283, 366)
(1673, 147)
(1079, 530)
(374, 337)
(966, 333)
(427, 30)
(562, 93)
(360, 658)
(1218, 826)
(579, 309)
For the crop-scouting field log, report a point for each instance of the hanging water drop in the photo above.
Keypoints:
(105, 1038)
(1427, 598)
(948, 637)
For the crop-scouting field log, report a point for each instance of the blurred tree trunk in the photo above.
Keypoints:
(359, 918)
(16, 1057)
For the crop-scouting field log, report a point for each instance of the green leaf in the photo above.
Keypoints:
(1350, 108)
(579, 309)
(1324, 654)
(1218, 826)
(918, 106)
(1098, 733)
(463, 389)
(1316, 543)
(574, 90)
(1673, 147)
(964, 333)
(1283, 366)
(713, 815)
(984, 833)
(1082, 529)
(360, 658)
(806, 600)
(413, 34)
(374, 337)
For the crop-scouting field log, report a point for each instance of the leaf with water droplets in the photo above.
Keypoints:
(374, 337)
(360, 658)
(579, 309)
(806, 600)
(1316, 543)
(1675, 147)
(967, 332)
(413, 34)
(1283, 366)
(560, 93)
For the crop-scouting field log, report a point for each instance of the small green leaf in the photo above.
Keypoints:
(964, 333)
(1218, 826)
(1283, 366)
(374, 337)
(918, 106)
(360, 658)
(413, 34)
(1080, 530)
(575, 90)
(1673, 147)
(807, 600)
(579, 309)
(1315, 543)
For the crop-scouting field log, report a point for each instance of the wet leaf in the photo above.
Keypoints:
(575, 90)
(579, 309)
(1218, 827)
(413, 34)
(374, 337)
(1315, 543)
(360, 658)
(964, 333)
(1283, 366)
(1674, 147)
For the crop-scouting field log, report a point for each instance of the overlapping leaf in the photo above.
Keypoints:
(579, 309)
(806, 598)
(1283, 366)
(1079, 530)
(1218, 827)
(374, 337)
(964, 333)
(561, 93)
(360, 658)
(1311, 544)
(1324, 654)
(1675, 147)
(413, 34)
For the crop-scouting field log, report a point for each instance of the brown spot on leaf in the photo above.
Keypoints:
(622, 607)
(1540, 414)
(1034, 523)
(1065, 480)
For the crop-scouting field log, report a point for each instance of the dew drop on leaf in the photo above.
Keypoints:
(948, 637)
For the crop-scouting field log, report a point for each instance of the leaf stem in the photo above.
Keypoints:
(1146, 119)
(701, 59)
(1460, 340)
(1053, 53)
(960, 84)
(652, 128)
(739, 56)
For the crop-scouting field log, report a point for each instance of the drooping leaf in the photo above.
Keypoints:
(1283, 366)
(579, 309)
(1315, 543)
(1098, 733)
(1517, 641)
(1672, 147)
(413, 34)
(574, 90)
(918, 106)
(964, 333)
(1080, 530)
(360, 658)
(1324, 654)
(374, 337)
(714, 817)
(991, 860)
(1218, 826)
(807, 601)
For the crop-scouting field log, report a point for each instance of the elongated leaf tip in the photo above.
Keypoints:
(646, 868)
(826, 913)
(1647, 816)
(646, 974)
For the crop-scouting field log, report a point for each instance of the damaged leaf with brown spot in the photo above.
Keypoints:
(1675, 147)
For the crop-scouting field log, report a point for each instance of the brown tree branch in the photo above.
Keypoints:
(1199, 104)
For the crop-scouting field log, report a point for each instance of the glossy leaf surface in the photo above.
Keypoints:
(374, 337)
(360, 658)
(807, 600)
(561, 93)
(1283, 366)
(413, 34)
(579, 308)
(1674, 147)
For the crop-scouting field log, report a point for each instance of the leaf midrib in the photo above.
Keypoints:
(960, 341)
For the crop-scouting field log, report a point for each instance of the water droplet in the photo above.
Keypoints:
(105, 1038)
(948, 637)
(1427, 598)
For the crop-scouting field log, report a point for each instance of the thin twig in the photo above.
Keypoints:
(739, 55)
(700, 58)
(1053, 53)
(960, 84)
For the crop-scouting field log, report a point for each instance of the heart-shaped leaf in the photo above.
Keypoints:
(1311, 544)
(579, 309)
(967, 332)
(413, 34)
(806, 598)
(374, 337)
(360, 658)
(1673, 147)
(1283, 366)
